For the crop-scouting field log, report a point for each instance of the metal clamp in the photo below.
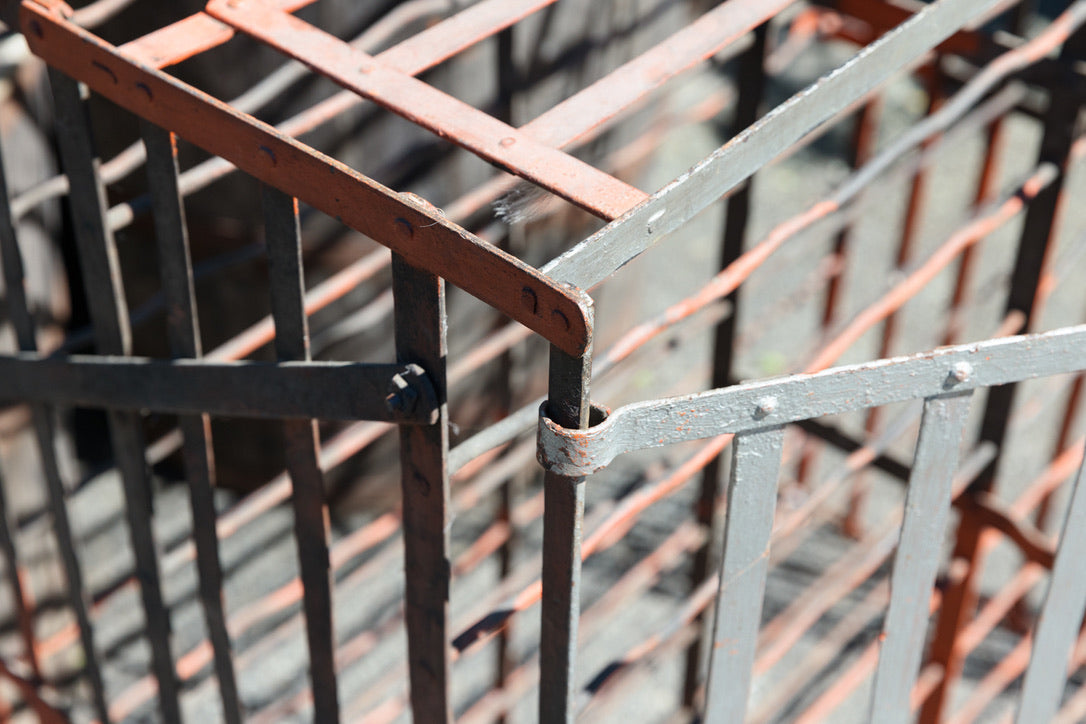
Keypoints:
(758, 405)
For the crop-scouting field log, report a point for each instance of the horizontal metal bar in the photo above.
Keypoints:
(603, 253)
(593, 190)
(799, 397)
(321, 390)
(415, 231)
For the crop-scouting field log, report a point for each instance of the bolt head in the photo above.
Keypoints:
(961, 371)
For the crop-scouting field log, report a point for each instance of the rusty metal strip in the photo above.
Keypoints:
(752, 499)
(311, 534)
(593, 190)
(789, 399)
(603, 253)
(332, 390)
(418, 233)
(927, 507)
(420, 324)
(109, 317)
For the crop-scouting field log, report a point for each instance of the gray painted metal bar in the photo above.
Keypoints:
(1060, 619)
(183, 329)
(798, 397)
(109, 317)
(597, 257)
(424, 480)
(322, 390)
(563, 519)
(302, 441)
(748, 525)
(916, 561)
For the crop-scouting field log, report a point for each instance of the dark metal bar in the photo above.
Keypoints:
(563, 513)
(751, 90)
(302, 441)
(109, 316)
(183, 328)
(332, 390)
(1037, 233)
(420, 339)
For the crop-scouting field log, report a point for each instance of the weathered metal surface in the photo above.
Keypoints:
(302, 443)
(1060, 617)
(600, 255)
(752, 500)
(563, 516)
(183, 329)
(424, 105)
(109, 318)
(323, 390)
(916, 560)
(752, 406)
(420, 325)
(419, 234)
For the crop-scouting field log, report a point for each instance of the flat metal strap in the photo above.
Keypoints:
(418, 233)
(321, 390)
(593, 190)
(1060, 619)
(799, 397)
(916, 561)
(603, 253)
(752, 500)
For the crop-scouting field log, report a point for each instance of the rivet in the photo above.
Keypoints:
(507, 141)
(961, 371)
(105, 69)
(146, 89)
(764, 407)
(404, 228)
(529, 301)
(561, 318)
(271, 154)
(35, 27)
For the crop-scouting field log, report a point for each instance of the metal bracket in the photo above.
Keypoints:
(757, 405)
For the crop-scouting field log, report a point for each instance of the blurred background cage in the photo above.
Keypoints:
(260, 464)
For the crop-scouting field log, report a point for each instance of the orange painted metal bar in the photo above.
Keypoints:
(419, 234)
(593, 190)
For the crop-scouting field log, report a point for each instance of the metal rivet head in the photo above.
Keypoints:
(404, 229)
(507, 141)
(961, 371)
(764, 407)
(529, 301)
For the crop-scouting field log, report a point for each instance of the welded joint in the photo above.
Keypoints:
(411, 397)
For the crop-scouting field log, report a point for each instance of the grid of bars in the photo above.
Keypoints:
(429, 247)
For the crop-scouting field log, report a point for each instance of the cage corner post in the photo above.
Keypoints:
(420, 329)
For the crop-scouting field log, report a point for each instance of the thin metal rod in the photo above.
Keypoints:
(109, 315)
(752, 500)
(183, 329)
(1060, 617)
(424, 480)
(927, 507)
(302, 445)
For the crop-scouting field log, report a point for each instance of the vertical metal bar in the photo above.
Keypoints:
(916, 561)
(1037, 232)
(283, 238)
(752, 500)
(183, 329)
(751, 90)
(563, 515)
(1060, 619)
(424, 475)
(109, 317)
